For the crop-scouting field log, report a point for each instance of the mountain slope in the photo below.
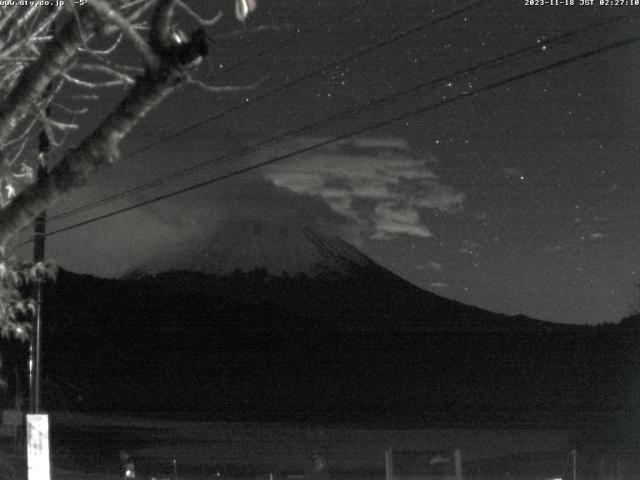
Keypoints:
(324, 277)
(333, 336)
(248, 246)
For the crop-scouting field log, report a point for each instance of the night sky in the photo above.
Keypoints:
(518, 198)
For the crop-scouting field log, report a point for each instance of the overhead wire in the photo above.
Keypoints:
(359, 131)
(262, 52)
(318, 71)
(488, 64)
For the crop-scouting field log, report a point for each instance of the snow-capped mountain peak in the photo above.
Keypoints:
(246, 246)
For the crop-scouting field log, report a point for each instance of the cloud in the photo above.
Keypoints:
(360, 189)
(390, 221)
(124, 241)
(253, 199)
(374, 182)
(378, 144)
(431, 265)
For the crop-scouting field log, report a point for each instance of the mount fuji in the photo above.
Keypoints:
(320, 277)
(265, 321)
(245, 246)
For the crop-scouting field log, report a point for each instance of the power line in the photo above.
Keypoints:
(359, 131)
(360, 52)
(500, 60)
(347, 58)
(190, 127)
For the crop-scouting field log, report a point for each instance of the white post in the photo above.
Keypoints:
(38, 447)
(457, 457)
(388, 455)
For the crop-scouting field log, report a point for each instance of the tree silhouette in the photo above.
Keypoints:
(50, 55)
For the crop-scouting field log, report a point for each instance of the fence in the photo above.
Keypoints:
(423, 465)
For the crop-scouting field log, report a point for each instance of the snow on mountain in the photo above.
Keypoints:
(280, 249)
(349, 291)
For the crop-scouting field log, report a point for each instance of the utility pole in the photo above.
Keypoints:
(574, 454)
(37, 424)
(44, 145)
(38, 256)
(388, 455)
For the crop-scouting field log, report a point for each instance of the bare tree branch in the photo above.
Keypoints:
(33, 37)
(145, 5)
(106, 70)
(162, 21)
(249, 30)
(35, 79)
(99, 149)
(27, 131)
(102, 147)
(113, 16)
(221, 88)
(244, 8)
(201, 21)
(106, 51)
(95, 85)
(18, 152)
(39, 65)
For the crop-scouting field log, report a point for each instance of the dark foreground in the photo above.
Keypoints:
(87, 446)
(202, 450)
